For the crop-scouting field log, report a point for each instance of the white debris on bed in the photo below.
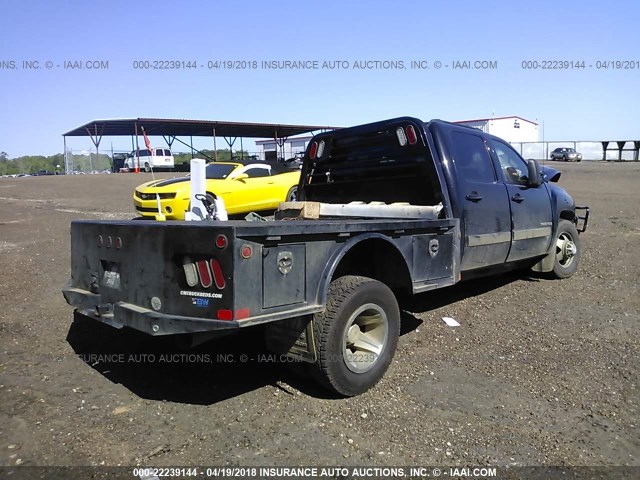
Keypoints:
(450, 321)
(315, 210)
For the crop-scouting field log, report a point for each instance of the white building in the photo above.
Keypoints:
(292, 146)
(512, 129)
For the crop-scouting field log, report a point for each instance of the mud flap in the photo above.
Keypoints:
(293, 337)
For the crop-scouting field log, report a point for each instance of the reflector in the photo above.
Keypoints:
(221, 241)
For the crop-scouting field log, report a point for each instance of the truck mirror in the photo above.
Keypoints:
(534, 177)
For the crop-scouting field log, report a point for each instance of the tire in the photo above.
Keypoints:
(292, 194)
(568, 250)
(147, 167)
(352, 303)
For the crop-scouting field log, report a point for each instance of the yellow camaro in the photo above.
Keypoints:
(243, 187)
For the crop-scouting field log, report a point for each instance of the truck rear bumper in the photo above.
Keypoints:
(154, 323)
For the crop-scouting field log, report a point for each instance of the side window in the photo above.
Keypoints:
(471, 158)
(512, 165)
(144, 153)
(257, 172)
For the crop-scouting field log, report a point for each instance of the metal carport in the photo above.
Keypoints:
(171, 129)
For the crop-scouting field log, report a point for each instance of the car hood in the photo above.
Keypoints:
(173, 184)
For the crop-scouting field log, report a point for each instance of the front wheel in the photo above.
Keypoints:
(355, 335)
(567, 250)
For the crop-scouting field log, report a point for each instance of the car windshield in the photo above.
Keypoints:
(219, 171)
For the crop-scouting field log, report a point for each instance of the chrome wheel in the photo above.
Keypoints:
(365, 337)
(566, 249)
(292, 196)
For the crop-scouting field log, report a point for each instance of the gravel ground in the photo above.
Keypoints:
(540, 372)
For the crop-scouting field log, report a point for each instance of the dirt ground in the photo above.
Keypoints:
(540, 372)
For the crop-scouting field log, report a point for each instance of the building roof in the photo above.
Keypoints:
(195, 128)
(495, 118)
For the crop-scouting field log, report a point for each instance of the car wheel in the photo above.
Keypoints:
(355, 335)
(147, 167)
(292, 194)
(567, 250)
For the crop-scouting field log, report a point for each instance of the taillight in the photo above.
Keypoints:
(411, 135)
(320, 149)
(204, 273)
(118, 243)
(190, 272)
(402, 138)
(218, 276)
(312, 150)
(224, 314)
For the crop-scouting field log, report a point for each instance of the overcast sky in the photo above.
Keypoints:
(38, 105)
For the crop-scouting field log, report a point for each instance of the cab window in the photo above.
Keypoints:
(471, 158)
(514, 169)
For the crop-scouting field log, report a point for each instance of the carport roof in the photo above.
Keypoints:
(195, 128)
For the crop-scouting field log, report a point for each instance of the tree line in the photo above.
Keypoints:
(31, 164)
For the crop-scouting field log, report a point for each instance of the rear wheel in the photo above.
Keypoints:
(567, 250)
(292, 194)
(356, 335)
(147, 167)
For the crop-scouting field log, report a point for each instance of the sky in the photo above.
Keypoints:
(583, 102)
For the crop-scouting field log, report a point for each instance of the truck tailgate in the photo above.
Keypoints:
(154, 274)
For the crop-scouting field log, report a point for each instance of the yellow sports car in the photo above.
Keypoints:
(243, 187)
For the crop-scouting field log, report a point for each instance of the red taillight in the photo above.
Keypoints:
(204, 273)
(246, 251)
(218, 276)
(221, 241)
(411, 135)
(227, 315)
(312, 150)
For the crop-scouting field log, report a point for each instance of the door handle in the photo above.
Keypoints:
(474, 197)
(517, 198)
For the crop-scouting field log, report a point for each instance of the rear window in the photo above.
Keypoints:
(471, 158)
(372, 166)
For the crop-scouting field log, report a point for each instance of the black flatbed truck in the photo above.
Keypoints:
(326, 288)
